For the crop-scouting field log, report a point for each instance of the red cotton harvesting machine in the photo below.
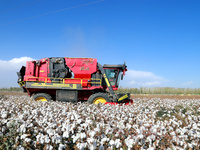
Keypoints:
(73, 80)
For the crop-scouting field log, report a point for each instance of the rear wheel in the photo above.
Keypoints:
(99, 98)
(42, 97)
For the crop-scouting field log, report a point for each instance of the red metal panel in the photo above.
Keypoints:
(42, 69)
(30, 70)
(82, 67)
(36, 69)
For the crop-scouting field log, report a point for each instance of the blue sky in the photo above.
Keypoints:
(158, 39)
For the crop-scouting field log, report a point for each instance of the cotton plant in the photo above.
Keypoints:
(149, 124)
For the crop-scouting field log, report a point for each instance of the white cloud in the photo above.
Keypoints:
(8, 71)
(135, 78)
(188, 83)
(14, 63)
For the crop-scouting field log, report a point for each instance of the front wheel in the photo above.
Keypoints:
(99, 98)
(42, 97)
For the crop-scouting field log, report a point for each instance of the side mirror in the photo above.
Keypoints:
(122, 76)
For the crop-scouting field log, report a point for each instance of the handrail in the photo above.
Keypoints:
(62, 80)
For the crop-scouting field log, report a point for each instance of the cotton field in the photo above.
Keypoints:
(148, 124)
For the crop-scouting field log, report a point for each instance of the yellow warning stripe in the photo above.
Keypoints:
(107, 82)
(123, 97)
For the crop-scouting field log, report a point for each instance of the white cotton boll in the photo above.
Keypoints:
(173, 133)
(184, 130)
(54, 125)
(76, 116)
(90, 140)
(4, 115)
(117, 143)
(53, 139)
(182, 136)
(181, 143)
(82, 135)
(129, 142)
(128, 126)
(38, 137)
(112, 142)
(66, 134)
(61, 147)
(135, 126)
(72, 117)
(189, 117)
(23, 128)
(84, 125)
(101, 147)
(157, 142)
(27, 140)
(142, 128)
(104, 140)
(24, 136)
(75, 138)
(185, 145)
(198, 135)
(194, 143)
(92, 133)
(174, 138)
(81, 146)
(50, 132)
(16, 139)
(46, 139)
(41, 141)
(3, 129)
(9, 124)
(30, 125)
(4, 121)
(72, 128)
(93, 146)
(21, 116)
(117, 134)
(49, 147)
(79, 121)
(140, 136)
(150, 148)
(195, 126)
(190, 145)
(121, 124)
(97, 129)
(194, 117)
(20, 148)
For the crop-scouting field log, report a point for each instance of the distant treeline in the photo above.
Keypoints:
(11, 89)
(160, 90)
(141, 90)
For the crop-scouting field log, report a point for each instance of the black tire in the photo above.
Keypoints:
(42, 97)
(99, 98)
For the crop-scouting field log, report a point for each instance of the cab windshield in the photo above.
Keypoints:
(113, 76)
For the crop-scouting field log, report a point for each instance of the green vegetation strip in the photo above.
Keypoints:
(160, 90)
(11, 89)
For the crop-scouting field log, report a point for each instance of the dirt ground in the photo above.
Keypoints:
(132, 96)
(167, 96)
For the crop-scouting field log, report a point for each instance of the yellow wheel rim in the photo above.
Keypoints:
(99, 100)
(43, 99)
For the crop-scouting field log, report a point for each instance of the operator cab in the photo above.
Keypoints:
(115, 73)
